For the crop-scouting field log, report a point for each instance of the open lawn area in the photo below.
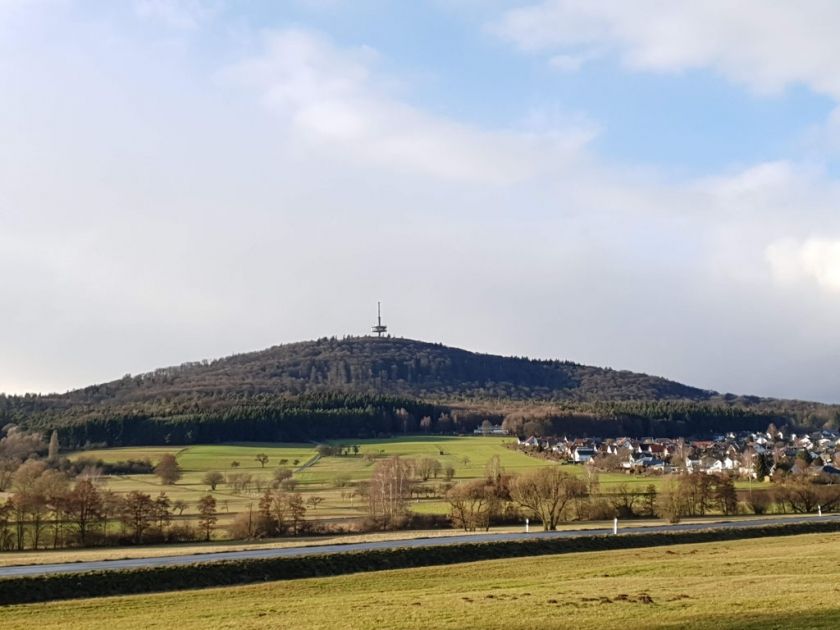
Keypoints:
(788, 582)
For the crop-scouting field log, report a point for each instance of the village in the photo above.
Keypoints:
(746, 455)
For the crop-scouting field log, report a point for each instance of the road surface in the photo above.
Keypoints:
(251, 554)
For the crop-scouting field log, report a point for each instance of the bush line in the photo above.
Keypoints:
(22, 590)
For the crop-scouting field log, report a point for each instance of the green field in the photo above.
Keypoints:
(467, 455)
(788, 582)
(339, 500)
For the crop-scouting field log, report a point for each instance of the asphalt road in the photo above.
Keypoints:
(135, 563)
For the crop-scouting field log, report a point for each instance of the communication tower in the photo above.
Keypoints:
(379, 329)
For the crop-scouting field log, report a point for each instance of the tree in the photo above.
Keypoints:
(262, 458)
(622, 499)
(180, 505)
(761, 467)
(84, 507)
(207, 515)
(725, 495)
(671, 503)
(168, 469)
(546, 492)
(799, 494)
(296, 512)
(234, 464)
(212, 478)
(314, 501)
(426, 423)
(282, 473)
(162, 513)
(388, 491)
(449, 472)
(53, 449)
(29, 484)
(471, 504)
(649, 500)
(493, 470)
(138, 512)
(427, 467)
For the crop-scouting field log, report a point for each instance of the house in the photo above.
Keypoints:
(583, 455)
(531, 442)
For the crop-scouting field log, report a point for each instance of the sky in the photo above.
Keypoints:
(648, 185)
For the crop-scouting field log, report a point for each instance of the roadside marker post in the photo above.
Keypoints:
(615, 525)
(526, 526)
(819, 510)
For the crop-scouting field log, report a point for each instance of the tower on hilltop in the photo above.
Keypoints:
(379, 329)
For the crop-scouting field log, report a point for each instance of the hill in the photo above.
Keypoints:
(404, 367)
(366, 386)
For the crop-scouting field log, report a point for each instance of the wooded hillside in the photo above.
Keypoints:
(367, 386)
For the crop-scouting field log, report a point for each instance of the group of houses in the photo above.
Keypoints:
(732, 453)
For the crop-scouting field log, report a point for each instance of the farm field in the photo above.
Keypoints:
(755, 583)
(331, 478)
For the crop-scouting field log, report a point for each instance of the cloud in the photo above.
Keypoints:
(812, 260)
(151, 214)
(176, 14)
(766, 45)
(333, 97)
(567, 62)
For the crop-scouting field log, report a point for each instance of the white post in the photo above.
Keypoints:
(819, 510)
(615, 525)
(526, 526)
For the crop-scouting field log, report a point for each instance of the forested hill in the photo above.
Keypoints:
(403, 367)
(365, 386)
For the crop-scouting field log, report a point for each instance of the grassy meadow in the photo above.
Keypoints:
(467, 455)
(788, 582)
(332, 479)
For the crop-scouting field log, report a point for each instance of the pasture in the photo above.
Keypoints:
(749, 584)
(329, 478)
(332, 480)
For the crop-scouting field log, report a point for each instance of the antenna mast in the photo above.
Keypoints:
(379, 329)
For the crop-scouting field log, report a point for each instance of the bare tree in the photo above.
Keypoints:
(262, 458)
(84, 507)
(546, 492)
(168, 469)
(428, 467)
(389, 489)
(212, 478)
(138, 512)
(471, 505)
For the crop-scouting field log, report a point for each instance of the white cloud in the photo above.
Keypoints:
(568, 62)
(150, 216)
(332, 97)
(812, 260)
(764, 44)
(176, 14)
